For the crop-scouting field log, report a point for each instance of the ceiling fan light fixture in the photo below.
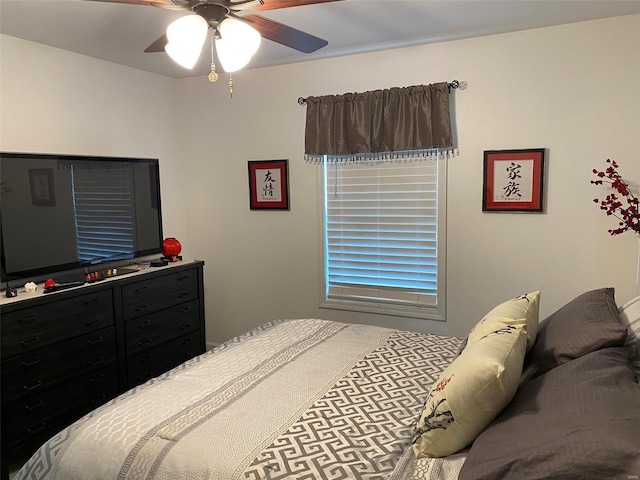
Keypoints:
(186, 36)
(237, 43)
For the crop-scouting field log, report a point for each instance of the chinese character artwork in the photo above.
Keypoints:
(268, 185)
(513, 180)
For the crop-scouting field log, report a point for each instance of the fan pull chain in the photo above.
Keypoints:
(213, 76)
(230, 85)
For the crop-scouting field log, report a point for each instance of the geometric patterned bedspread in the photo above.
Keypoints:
(307, 399)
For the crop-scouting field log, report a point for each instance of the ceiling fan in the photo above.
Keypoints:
(218, 14)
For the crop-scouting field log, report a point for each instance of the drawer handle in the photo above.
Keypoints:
(184, 295)
(95, 341)
(142, 308)
(27, 319)
(144, 342)
(146, 323)
(33, 363)
(36, 406)
(187, 341)
(97, 321)
(38, 428)
(96, 379)
(141, 289)
(89, 302)
(98, 399)
(29, 343)
(186, 310)
(95, 362)
(28, 388)
(185, 326)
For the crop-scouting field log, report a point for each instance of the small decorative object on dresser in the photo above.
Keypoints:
(171, 249)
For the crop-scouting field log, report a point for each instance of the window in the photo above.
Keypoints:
(384, 236)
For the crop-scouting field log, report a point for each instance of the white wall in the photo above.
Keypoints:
(570, 89)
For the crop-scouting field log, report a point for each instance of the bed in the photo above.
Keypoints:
(317, 399)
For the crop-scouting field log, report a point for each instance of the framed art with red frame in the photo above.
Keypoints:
(268, 185)
(513, 180)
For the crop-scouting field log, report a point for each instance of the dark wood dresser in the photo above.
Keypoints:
(65, 353)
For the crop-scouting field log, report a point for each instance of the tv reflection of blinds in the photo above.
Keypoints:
(63, 212)
(104, 213)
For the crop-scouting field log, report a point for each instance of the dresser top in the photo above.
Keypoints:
(126, 271)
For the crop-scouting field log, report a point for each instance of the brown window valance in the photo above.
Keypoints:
(378, 122)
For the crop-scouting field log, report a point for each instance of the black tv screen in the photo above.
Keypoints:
(65, 212)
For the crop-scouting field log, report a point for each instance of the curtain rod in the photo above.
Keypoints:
(453, 85)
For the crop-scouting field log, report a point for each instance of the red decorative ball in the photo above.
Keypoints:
(50, 282)
(171, 247)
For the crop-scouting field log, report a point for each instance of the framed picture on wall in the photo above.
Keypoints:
(42, 189)
(513, 180)
(268, 185)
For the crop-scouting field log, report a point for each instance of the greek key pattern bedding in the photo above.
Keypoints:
(360, 427)
(305, 398)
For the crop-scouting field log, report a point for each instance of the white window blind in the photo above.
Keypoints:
(383, 234)
(103, 200)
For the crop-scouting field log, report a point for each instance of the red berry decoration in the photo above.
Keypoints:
(628, 216)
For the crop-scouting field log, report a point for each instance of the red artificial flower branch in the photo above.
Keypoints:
(629, 216)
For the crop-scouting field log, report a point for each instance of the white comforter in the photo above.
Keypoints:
(309, 399)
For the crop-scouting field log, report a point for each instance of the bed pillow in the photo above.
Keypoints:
(587, 323)
(472, 390)
(578, 421)
(630, 317)
(520, 310)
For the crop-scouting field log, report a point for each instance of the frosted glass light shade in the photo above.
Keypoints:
(237, 43)
(185, 38)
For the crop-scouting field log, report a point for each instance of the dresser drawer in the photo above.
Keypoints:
(150, 296)
(152, 330)
(36, 371)
(55, 408)
(158, 360)
(29, 329)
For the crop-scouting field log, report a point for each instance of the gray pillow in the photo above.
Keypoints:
(586, 324)
(578, 421)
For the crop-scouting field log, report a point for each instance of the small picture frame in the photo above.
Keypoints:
(268, 185)
(513, 180)
(42, 188)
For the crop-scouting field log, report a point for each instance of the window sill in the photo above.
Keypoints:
(426, 313)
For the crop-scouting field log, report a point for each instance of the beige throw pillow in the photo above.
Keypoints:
(471, 392)
(524, 309)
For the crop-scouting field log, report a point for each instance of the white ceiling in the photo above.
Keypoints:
(119, 33)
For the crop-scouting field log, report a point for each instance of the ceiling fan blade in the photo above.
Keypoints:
(285, 35)
(158, 45)
(237, 6)
(275, 4)
(159, 3)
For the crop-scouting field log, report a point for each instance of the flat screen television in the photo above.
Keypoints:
(63, 213)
